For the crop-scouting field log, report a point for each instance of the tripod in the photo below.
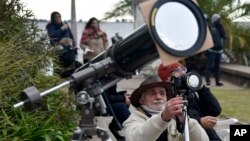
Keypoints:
(183, 127)
(90, 100)
(88, 128)
(185, 87)
(186, 127)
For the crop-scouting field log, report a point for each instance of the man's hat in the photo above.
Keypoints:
(150, 82)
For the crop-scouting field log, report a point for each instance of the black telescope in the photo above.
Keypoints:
(129, 54)
(177, 26)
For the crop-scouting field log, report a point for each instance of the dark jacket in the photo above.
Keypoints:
(205, 104)
(56, 33)
(218, 35)
(220, 28)
(116, 107)
(114, 96)
(193, 63)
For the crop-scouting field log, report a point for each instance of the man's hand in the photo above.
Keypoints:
(208, 122)
(173, 109)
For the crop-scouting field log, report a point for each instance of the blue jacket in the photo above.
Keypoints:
(56, 33)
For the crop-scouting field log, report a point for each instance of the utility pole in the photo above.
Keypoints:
(73, 20)
(138, 18)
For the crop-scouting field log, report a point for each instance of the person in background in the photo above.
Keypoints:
(119, 101)
(202, 105)
(58, 30)
(154, 118)
(213, 55)
(195, 62)
(93, 40)
(62, 39)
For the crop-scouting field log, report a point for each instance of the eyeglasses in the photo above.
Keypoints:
(181, 69)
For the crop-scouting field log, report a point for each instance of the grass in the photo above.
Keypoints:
(235, 103)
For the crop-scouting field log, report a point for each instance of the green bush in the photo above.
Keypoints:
(24, 55)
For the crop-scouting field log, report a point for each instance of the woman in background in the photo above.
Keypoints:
(61, 37)
(58, 30)
(93, 40)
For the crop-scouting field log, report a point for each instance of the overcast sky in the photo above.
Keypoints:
(85, 9)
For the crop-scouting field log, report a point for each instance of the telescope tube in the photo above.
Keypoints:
(131, 53)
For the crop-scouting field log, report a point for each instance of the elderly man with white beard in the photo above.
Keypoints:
(154, 118)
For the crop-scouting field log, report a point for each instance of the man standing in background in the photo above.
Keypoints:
(213, 55)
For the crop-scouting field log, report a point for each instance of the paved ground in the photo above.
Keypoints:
(131, 84)
(134, 82)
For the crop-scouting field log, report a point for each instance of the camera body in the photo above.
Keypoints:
(184, 85)
(180, 83)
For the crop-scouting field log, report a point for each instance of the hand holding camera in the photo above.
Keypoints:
(173, 109)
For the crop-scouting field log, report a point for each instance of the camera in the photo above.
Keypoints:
(192, 81)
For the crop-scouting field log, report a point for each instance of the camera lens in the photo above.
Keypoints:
(193, 81)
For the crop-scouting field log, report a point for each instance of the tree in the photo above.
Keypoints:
(122, 8)
(237, 43)
(237, 36)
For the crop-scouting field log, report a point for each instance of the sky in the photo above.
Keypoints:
(85, 9)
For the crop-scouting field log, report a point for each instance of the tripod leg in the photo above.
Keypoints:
(77, 134)
(186, 127)
(85, 134)
(88, 127)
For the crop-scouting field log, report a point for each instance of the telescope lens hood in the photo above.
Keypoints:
(178, 26)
